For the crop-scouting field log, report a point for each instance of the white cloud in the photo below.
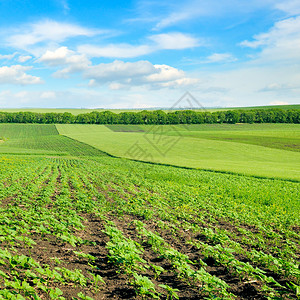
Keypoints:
(64, 57)
(120, 75)
(166, 41)
(46, 31)
(24, 58)
(119, 70)
(8, 56)
(16, 74)
(113, 85)
(179, 12)
(181, 82)
(291, 7)
(280, 43)
(174, 40)
(220, 57)
(174, 18)
(165, 73)
(115, 50)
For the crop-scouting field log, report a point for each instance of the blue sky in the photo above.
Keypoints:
(143, 53)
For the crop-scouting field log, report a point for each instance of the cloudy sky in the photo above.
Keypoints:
(147, 53)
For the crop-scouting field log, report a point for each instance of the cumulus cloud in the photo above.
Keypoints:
(120, 71)
(119, 75)
(281, 42)
(165, 73)
(16, 74)
(62, 56)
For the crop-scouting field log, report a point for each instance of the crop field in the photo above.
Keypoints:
(41, 139)
(267, 150)
(76, 223)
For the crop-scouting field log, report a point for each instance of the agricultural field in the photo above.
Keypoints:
(267, 150)
(76, 223)
(40, 139)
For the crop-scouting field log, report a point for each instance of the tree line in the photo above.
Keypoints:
(157, 117)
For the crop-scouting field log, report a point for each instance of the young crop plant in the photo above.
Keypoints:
(144, 286)
(96, 281)
(171, 293)
(82, 296)
(56, 294)
(157, 270)
(207, 283)
(123, 252)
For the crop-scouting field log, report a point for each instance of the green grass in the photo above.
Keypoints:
(188, 148)
(278, 136)
(125, 128)
(41, 139)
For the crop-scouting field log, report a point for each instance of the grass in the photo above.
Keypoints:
(278, 136)
(125, 128)
(203, 146)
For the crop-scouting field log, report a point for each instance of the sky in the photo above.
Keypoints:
(148, 53)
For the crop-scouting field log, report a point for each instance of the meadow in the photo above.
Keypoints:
(76, 223)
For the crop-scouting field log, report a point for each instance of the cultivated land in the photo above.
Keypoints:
(78, 224)
(269, 150)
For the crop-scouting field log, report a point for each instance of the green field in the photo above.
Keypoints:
(76, 223)
(268, 150)
(40, 139)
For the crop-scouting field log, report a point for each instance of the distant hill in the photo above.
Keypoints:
(77, 111)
